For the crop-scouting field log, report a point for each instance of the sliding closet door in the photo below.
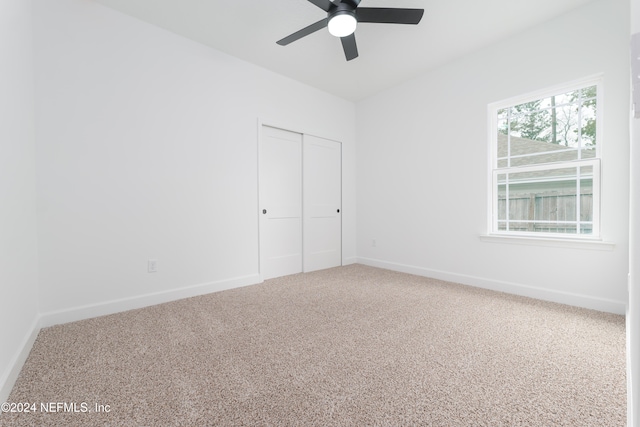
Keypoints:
(280, 175)
(322, 203)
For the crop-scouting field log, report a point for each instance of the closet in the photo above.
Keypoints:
(300, 202)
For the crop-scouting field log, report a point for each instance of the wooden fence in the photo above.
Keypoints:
(546, 212)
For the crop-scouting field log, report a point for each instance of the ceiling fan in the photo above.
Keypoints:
(343, 17)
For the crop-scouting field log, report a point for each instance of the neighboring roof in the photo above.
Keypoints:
(524, 146)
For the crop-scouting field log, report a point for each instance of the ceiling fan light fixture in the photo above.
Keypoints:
(342, 24)
(343, 17)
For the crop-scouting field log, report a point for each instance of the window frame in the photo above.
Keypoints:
(595, 162)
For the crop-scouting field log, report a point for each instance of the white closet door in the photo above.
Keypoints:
(280, 167)
(322, 203)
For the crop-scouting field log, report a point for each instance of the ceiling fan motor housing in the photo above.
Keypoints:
(343, 8)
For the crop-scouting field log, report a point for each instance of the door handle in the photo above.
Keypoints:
(264, 211)
(338, 210)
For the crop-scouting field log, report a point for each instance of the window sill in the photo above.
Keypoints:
(597, 245)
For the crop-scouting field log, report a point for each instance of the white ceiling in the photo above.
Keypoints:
(389, 54)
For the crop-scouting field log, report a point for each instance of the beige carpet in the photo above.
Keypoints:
(350, 346)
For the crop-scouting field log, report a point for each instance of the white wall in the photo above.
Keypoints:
(633, 314)
(147, 148)
(422, 164)
(18, 250)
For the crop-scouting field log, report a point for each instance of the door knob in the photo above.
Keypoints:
(264, 211)
(338, 210)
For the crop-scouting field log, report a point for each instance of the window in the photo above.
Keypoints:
(545, 163)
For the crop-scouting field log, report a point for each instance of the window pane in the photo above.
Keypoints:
(530, 122)
(589, 93)
(588, 126)
(564, 126)
(502, 192)
(546, 201)
(502, 139)
(523, 151)
(586, 200)
(566, 98)
(589, 153)
(548, 130)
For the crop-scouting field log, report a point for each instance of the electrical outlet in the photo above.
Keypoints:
(152, 265)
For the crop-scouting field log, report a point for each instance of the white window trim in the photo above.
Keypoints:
(592, 241)
(590, 244)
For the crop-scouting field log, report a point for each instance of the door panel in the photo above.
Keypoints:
(322, 198)
(280, 167)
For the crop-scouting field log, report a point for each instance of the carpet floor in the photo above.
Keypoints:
(348, 346)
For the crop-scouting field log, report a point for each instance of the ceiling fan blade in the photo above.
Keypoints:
(325, 5)
(349, 46)
(304, 32)
(387, 15)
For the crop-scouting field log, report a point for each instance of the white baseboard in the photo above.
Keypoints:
(116, 306)
(578, 300)
(350, 260)
(10, 376)
(630, 370)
